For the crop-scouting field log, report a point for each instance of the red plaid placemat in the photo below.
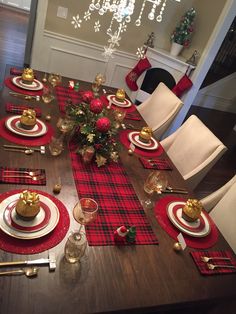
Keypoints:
(19, 246)
(6, 171)
(202, 266)
(116, 198)
(23, 140)
(105, 101)
(123, 135)
(194, 242)
(133, 116)
(18, 109)
(9, 84)
(155, 163)
(64, 94)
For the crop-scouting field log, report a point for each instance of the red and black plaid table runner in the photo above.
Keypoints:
(116, 198)
(65, 94)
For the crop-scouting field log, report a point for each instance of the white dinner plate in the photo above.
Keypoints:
(199, 228)
(134, 138)
(13, 124)
(35, 86)
(123, 104)
(26, 235)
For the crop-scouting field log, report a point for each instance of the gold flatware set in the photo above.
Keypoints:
(25, 149)
(211, 266)
(33, 175)
(26, 97)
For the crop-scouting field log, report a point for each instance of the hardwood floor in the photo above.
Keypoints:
(13, 29)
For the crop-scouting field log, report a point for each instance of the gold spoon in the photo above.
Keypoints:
(28, 271)
(25, 151)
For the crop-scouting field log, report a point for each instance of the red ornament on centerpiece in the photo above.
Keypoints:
(103, 125)
(87, 96)
(96, 106)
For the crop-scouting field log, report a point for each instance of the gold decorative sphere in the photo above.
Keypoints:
(177, 247)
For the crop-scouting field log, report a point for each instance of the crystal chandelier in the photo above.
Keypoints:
(122, 11)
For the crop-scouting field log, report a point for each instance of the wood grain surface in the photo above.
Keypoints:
(132, 279)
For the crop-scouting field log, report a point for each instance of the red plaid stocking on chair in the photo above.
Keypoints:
(134, 74)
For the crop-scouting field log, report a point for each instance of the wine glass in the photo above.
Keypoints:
(84, 212)
(155, 182)
(54, 79)
(119, 116)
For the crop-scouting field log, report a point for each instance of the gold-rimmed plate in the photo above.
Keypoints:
(199, 228)
(19, 232)
(35, 86)
(13, 125)
(134, 139)
(123, 104)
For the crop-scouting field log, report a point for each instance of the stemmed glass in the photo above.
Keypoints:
(84, 212)
(155, 182)
(119, 116)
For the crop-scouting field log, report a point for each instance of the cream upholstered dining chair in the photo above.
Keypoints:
(210, 201)
(160, 109)
(193, 149)
(224, 215)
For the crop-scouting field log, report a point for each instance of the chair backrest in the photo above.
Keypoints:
(194, 149)
(151, 80)
(160, 109)
(224, 216)
(211, 200)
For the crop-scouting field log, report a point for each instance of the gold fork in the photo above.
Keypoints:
(34, 178)
(30, 173)
(212, 267)
(207, 259)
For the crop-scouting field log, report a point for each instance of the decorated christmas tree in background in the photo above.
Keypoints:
(184, 30)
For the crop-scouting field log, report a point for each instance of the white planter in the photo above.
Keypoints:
(176, 49)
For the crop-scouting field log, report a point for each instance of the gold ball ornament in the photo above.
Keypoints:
(177, 247)
(48, 117)
(130, 152)
(57, 188)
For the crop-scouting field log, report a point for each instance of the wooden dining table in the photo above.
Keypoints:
(109, 279)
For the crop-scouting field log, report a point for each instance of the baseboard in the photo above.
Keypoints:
(19, 10)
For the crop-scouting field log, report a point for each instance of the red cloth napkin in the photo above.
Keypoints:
(15, 71)
(18, 109)
(19, 246)
(23, 140)
(123, 135)
(202, 266)
(4, 171)
(156, 163)
(160, 211)
(9, 84)
(117, 201)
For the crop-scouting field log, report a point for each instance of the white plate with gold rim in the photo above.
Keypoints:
(199, 228)
(25, 235)
(35, 86)
(13, 125)
(134, 138)
(123, 104)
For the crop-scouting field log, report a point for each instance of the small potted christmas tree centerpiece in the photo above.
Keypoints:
(182, 34)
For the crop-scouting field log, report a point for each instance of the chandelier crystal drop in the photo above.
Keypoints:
(121, 12)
